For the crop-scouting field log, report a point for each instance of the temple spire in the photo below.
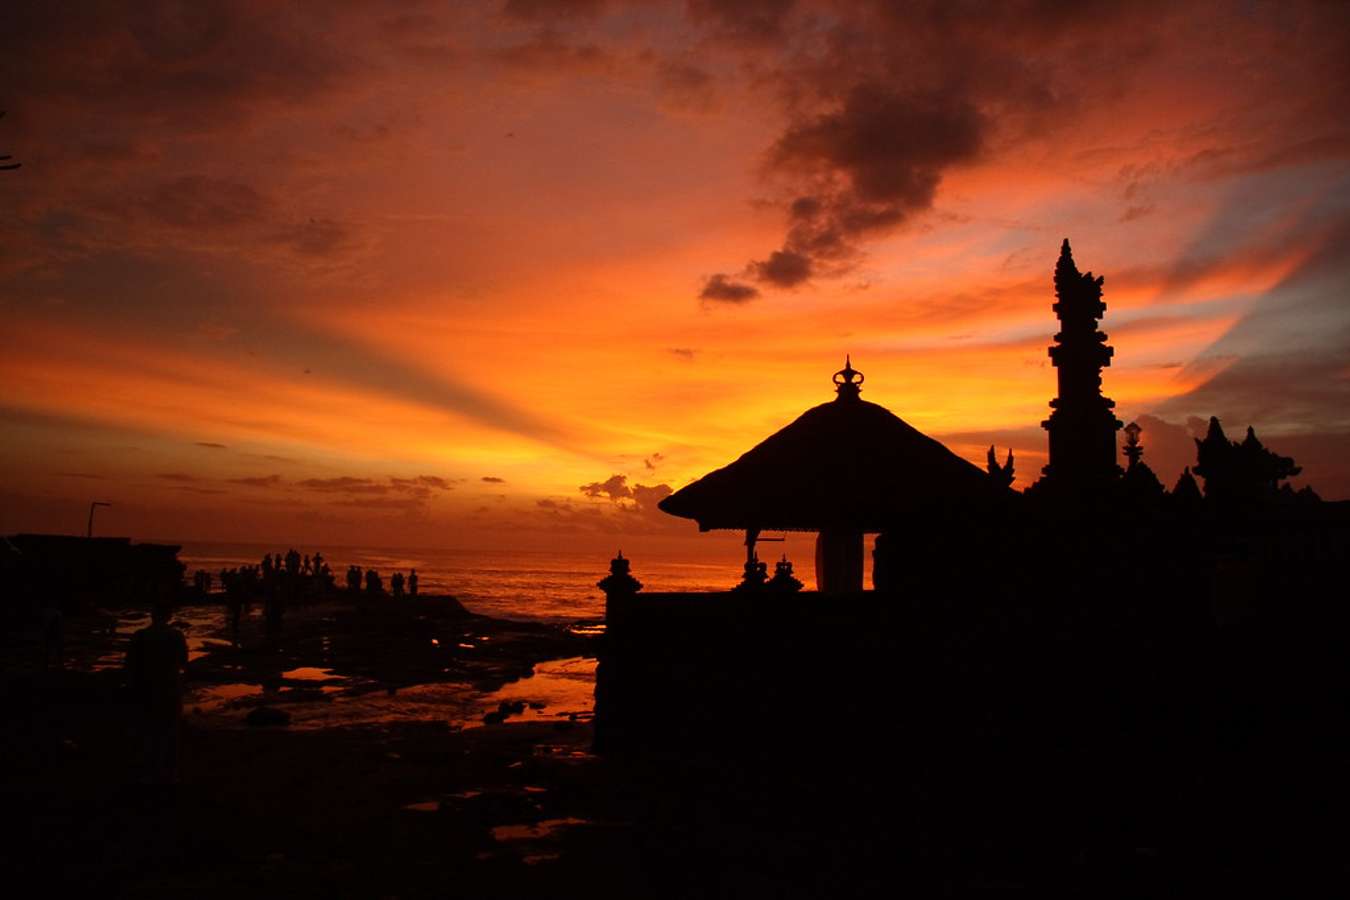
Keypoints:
(848, 380)
(1082, 426)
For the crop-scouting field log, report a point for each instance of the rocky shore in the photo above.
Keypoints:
(417, 750)
(312, 762)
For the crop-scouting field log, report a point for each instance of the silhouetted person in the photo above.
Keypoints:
(374, 587)
(292, 562)
(396, 583)
(267, 567)
(249, 580)
(354, 579)
(318, 562)
(412, 583)
(307, 567)
(154, 665)
(234, 603)
(274, 603)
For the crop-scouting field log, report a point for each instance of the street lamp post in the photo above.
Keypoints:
(92, 506)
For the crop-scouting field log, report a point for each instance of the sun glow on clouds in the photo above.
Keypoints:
(469, 247)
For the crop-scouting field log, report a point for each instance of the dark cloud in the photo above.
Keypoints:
(423, 481)
(317, 237)
(81, 475)
(493, 479)
(262, 481)
(178, 476)
(653, 461)
(406, 504)
(646, 497)
(883, 100)
(211, 445)
(720, 288)
(684, 86)
(549, 52)
(202, 66)
(875, 161)
(200, 205)
(783, 268)
(1239, 159)
(1136, 212)
(537, 10)
(196, 489)
(345, 484)
(198, 201)
(420, 487)
(615, 488)
(423, 39)
(685, 353)
(749, 21)
(637, 498)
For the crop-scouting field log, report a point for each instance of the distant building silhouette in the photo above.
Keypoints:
(1239, 473)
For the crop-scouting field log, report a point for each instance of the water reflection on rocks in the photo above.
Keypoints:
(347, 718)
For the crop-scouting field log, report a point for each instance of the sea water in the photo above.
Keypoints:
(528, 584)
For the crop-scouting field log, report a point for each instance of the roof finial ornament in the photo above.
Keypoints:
(848, 380)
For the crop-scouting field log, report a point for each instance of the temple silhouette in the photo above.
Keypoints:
(1082, 426)
(1096, 658)
(843, 469)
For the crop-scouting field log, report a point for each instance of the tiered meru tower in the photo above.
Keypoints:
(1082, 426)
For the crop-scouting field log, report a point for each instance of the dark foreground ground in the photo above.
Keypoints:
(433, 805)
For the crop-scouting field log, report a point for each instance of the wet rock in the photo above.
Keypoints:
(266, 716)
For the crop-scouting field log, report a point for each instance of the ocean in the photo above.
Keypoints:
(526, 584)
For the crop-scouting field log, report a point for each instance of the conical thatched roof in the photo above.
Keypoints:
(847, 464)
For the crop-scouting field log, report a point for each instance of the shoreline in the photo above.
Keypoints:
(269, 802)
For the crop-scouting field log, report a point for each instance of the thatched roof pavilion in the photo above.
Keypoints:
(842, 468)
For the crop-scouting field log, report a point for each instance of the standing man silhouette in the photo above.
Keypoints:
(155, 661)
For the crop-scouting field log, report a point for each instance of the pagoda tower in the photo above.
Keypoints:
(1082, 425)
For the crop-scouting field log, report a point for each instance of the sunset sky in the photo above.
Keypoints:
(505, 273)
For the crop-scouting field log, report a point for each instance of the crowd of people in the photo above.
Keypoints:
(157, 654)
(399, 586)
(281, 581)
